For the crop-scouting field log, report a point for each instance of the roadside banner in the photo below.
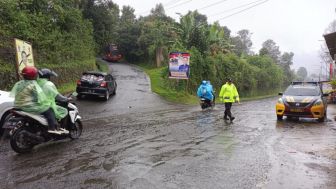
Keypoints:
(24, 54)
(179, 65)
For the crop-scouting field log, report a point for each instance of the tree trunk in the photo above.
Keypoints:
(159, 56)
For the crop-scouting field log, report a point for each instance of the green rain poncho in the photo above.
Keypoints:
(51, 92)
(29, 97)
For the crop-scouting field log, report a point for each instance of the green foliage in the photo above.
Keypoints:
(155, 36)
(104, 16)
(60, 36)
(193, 31)
(160, 86)
(102, 66)
(129, 31)
(333, 83)
(242, 43)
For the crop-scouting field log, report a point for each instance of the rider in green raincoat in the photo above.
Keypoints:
(52, 93)
(29, 97)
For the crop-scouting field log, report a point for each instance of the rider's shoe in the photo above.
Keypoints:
(58, 132)
(232, 118)
(64, 131)
(226, 118)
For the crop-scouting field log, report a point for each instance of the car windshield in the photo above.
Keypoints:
(302, 91)
(92, 77)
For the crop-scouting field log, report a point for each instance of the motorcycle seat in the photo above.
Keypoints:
(40, 118)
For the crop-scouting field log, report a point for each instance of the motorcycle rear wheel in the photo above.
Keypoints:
(19, 143)
(76, 132)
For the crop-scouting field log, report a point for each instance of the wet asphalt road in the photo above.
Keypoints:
(137, 140)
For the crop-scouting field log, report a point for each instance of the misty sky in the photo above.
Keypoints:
(295, 25)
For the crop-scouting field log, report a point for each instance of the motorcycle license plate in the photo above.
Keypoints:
(296, 110)
(9, 125)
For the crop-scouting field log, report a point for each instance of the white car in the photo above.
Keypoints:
(6, 104)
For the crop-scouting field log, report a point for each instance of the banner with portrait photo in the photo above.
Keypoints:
(24, 54)
(179, 65)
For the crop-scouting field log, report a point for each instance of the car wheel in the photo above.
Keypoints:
(279, 117)
(115, 89)
(107, 95)
(322, 118)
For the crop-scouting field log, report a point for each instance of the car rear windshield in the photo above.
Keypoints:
(92, 77)
(302, 91)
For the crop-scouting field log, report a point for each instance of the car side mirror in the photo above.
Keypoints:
(280, 93)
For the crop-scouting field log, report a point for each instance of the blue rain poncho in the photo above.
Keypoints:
(205, 91)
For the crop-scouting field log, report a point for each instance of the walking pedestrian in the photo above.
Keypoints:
(229, 94)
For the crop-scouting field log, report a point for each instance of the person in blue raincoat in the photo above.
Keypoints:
(205, 90)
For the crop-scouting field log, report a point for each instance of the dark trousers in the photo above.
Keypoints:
(51, 119)
(227, 111)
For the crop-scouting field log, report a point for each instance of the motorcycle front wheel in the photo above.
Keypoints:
(19, 142)
(76, 132)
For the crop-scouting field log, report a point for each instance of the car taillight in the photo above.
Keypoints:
(79, 82)
(103, 84)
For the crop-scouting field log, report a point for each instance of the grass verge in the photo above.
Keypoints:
(69, 87)
(158, 86)
(102, 65)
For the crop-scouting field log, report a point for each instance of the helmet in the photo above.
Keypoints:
(204, 82)
(29, 73)
(46, 73)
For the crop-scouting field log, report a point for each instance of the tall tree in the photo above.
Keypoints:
(242, 43)
(128, 34)
(270, 48)
(218, 39)
(194, 31)
(155, 34)
(301, 74)
(104, 16)
(286, 60)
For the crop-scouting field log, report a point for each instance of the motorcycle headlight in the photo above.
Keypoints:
(318, 102)
(280, 101)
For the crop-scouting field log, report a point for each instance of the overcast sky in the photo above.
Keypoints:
(295, 25)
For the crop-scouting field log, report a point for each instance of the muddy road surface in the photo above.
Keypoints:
(137, 140)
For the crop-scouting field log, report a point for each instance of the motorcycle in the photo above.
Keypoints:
(29, 130)
(205, 103)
